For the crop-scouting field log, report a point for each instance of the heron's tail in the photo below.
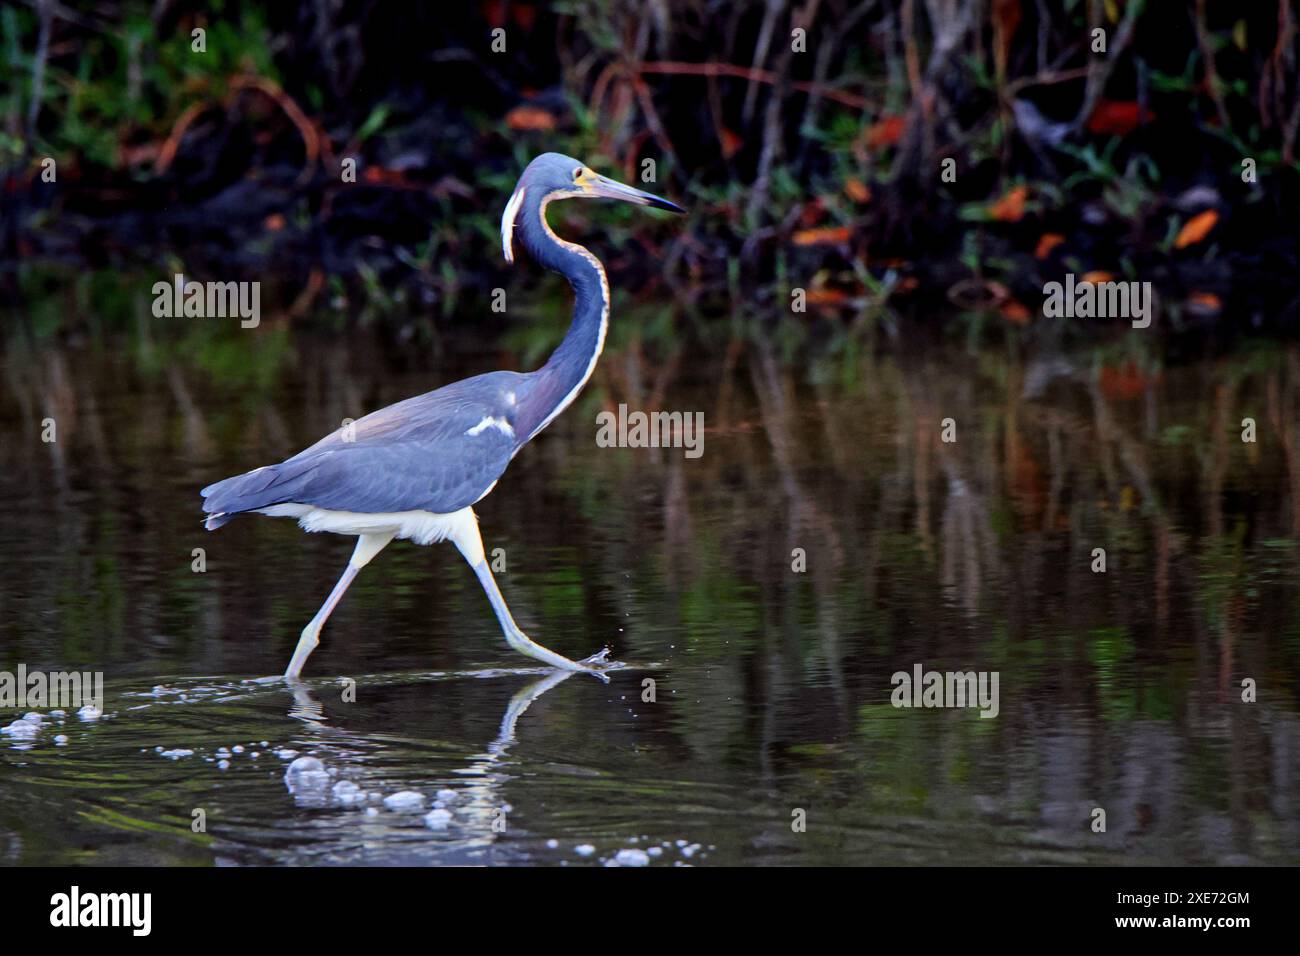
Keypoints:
(259, 488)
(215, 521)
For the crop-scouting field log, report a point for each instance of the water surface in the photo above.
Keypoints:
(1120, 690)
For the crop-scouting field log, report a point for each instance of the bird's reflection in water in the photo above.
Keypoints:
(480, 811)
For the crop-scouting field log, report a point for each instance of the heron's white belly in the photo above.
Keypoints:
(422, 527)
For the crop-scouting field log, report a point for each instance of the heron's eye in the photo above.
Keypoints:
(577, 174)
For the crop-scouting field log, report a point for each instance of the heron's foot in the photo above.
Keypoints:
(597, 664)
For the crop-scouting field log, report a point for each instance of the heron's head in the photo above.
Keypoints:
(553, 176)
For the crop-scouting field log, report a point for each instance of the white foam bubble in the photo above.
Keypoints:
(306, 774)
(404, 800)
(347, 792)
(437, 819)
(21, 729)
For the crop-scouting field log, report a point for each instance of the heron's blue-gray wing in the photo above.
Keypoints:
(437, 452)
(441, 473)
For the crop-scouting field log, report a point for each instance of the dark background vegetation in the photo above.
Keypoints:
(817, 169)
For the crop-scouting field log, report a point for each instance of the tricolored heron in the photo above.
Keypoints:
(415, 469)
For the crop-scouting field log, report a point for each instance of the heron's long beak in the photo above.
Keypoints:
(607, 188)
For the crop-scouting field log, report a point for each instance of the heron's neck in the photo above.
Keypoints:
(571, 364)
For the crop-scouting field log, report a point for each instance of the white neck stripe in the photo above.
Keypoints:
(508, 223)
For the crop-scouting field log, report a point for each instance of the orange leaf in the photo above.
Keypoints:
(1097, 276)
(731, 143)
(887, 132)
(389, 177)
(1013, 311)
(530, 118)
(1011, 207)
(525, 14)
(494, 13)
(812, 213)
(857, 191)
(1046, 243)
(1204, 303)
(825, 297)
(274, 222)
(1196, 229)
(1123, 383)
(1112, 118)
(826, 236)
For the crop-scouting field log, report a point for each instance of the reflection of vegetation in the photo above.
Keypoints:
(1222, 579)
(688, 564)
(1111, 651)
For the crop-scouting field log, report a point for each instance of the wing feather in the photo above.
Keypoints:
(427, 453)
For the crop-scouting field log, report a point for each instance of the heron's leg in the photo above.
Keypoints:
(470, 543)
(368, 545)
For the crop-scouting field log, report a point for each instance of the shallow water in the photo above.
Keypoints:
(1120, 690)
